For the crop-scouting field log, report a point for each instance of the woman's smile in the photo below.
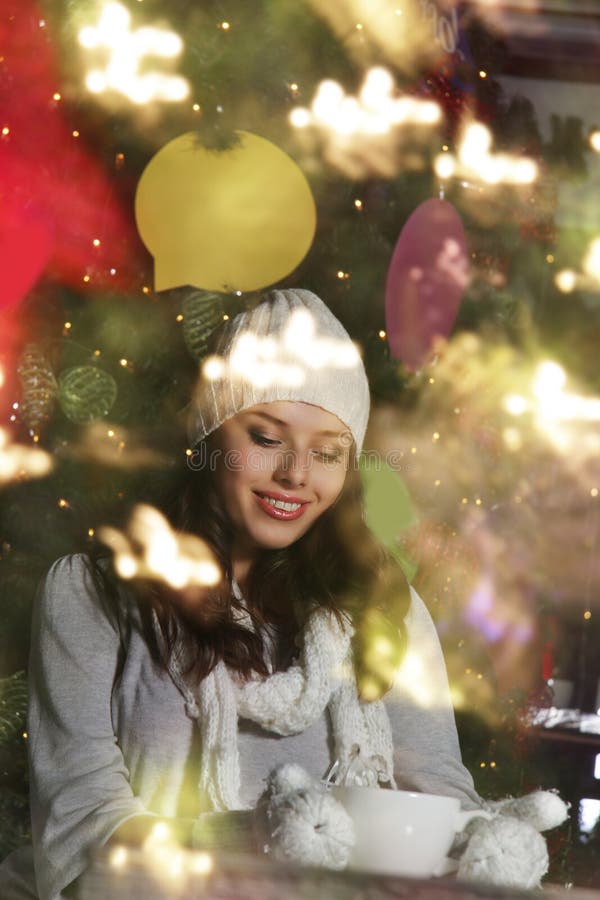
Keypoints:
(279, 506)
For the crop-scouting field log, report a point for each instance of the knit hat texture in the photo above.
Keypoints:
(289, 347)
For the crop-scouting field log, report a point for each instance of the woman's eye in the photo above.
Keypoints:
(262, 440)
(330, 456)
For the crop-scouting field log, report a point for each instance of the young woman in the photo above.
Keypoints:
(147, 702)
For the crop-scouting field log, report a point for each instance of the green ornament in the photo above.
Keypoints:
(38, 387)
(388, 508)
(86, 393)
(202, 314)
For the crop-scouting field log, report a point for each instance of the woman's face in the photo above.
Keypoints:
(279, 466)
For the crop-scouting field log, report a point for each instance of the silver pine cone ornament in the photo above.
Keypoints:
(38, 387)
(202, 314)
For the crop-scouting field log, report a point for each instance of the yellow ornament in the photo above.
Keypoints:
(224, 220)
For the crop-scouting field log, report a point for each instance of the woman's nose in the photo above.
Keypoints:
(292, 468)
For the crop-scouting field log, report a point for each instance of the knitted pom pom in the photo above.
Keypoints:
(314, 829)
(504, 851)
(542, 809)
(289, 777)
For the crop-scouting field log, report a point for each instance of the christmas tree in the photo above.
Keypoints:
(482, 378)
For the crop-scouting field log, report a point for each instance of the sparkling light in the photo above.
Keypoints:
(160, 834)
(476, 160)
(589, 278)
(566, 281)
(444, 165)
(127, 52)
(589, 809)
(263, 361)
(118, 857)
(515, 404)
(151, 549)
(412, 675)
(171, 863)
(18, 461)
(201, 864)
(591, 263)
(351, 126)
(551, 407)
(300, 117)
(375, 112)
(213, 368)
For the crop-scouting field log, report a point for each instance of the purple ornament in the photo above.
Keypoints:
(427, 277)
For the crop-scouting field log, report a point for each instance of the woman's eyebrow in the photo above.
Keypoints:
(324, 432)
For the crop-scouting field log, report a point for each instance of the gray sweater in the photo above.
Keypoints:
(110, 737)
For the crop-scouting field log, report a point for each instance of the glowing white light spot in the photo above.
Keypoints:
(591, 263)
(118, 857)
(19, 461)
(300, 117)
(515, 404)
(476, 160)
(151, 549)
(589, 809)
(351, 124)
(201, 864)
(128, 50)
(566, 281)
(160, 833)
(550, 379)
(444, 165)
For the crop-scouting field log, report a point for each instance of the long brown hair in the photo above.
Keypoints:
(337, 564)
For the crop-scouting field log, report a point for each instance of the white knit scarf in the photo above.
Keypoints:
(286, 703)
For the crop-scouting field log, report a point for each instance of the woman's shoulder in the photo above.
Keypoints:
(418, 614)
(77, 570)
(71, 565)
(80, 586)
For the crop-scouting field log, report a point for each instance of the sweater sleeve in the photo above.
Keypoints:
(426, 750)
(80, 791)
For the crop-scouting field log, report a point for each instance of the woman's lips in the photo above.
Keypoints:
(280, 514)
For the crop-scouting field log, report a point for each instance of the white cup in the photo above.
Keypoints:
(562, 691)
(401, 832)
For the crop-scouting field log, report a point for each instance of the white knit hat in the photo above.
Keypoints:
(289, 347)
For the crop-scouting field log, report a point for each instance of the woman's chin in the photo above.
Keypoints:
(277, 537)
